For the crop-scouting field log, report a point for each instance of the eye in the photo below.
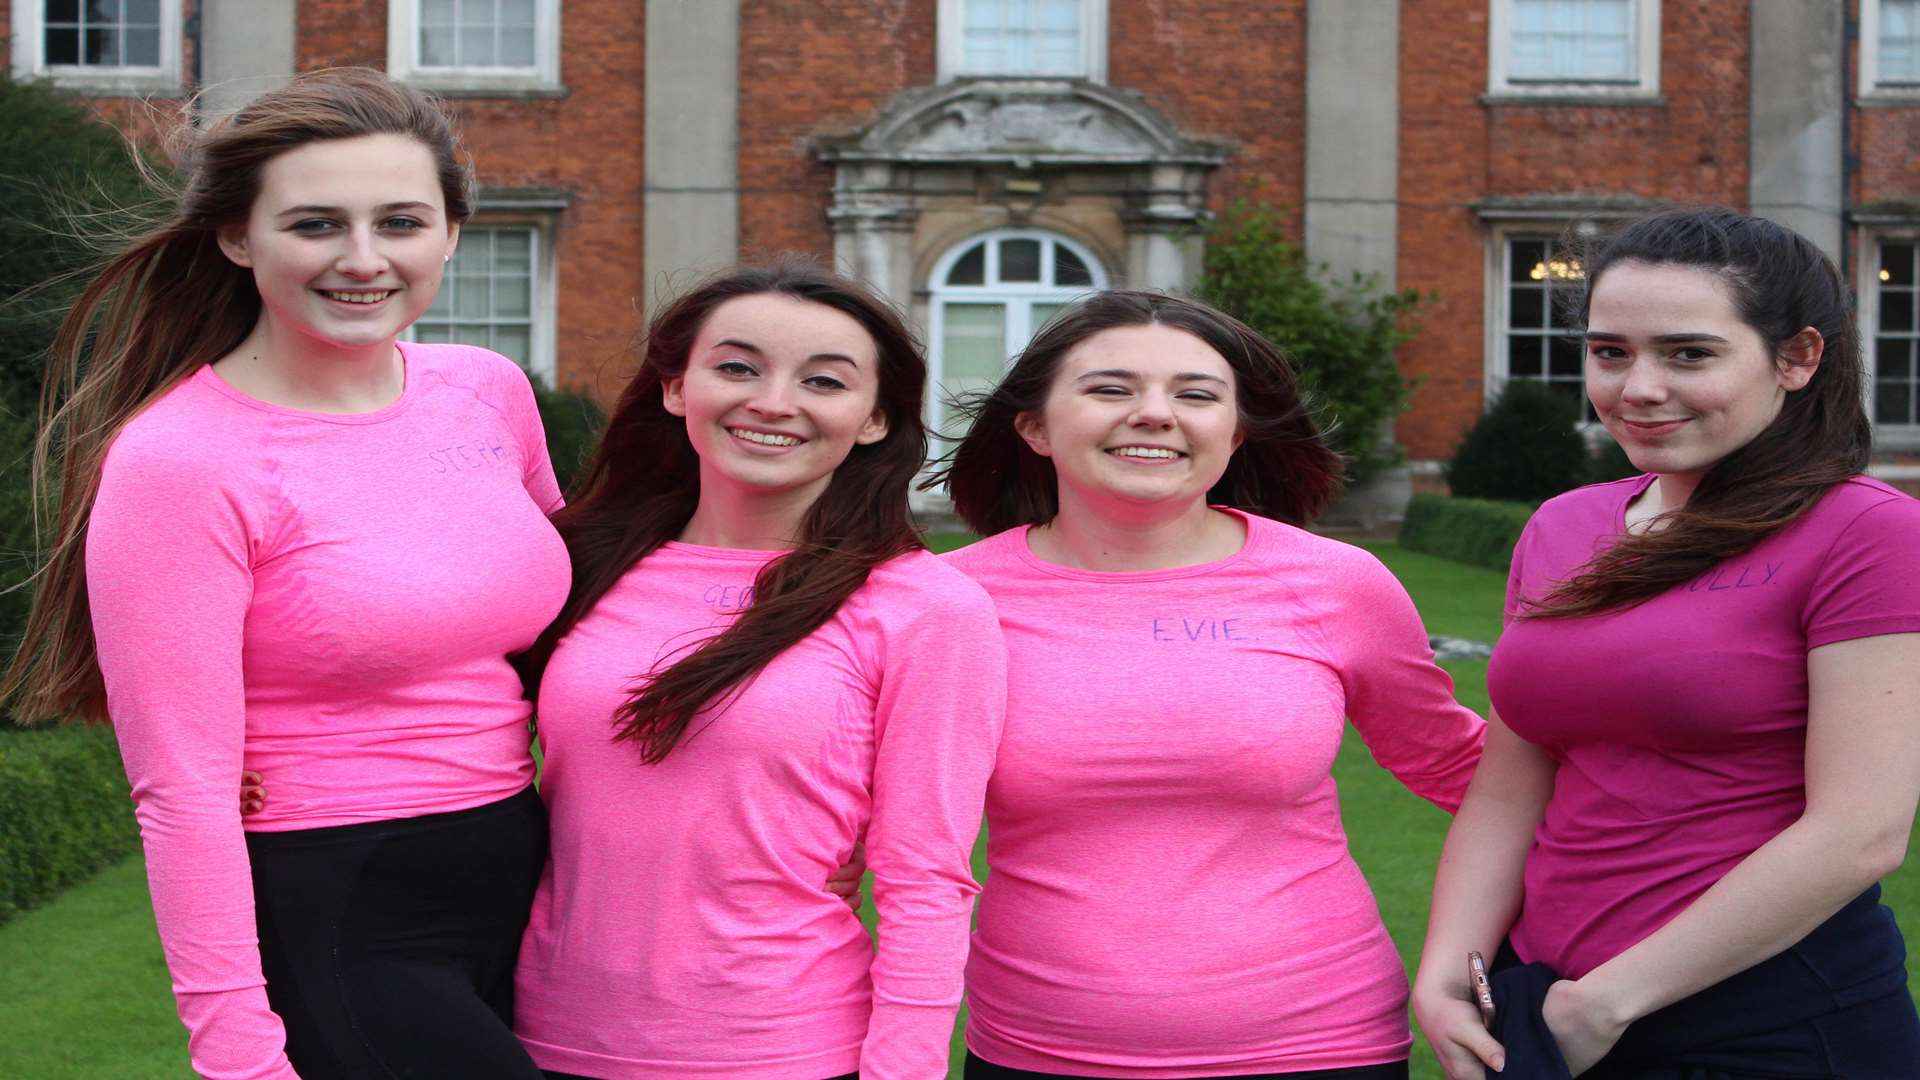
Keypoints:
(824, 382)
(736, 368)
(1606, 352)
(1692, 354)
(1108, 390)
(311, 226)
(403, 224)
(1206, 396)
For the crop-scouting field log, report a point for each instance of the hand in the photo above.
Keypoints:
(845, 882)
(1581, 1027)
(1454, 1029)
(253, 797)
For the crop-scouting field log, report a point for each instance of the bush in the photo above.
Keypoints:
(64, 812)
(1480, 532)
(1610, 462)
(1526, 447)
(1341, 340)
(573, 422)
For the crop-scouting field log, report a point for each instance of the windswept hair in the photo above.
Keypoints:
(1283, 469)
(168, 302)
(1781, 284)
(642, 483)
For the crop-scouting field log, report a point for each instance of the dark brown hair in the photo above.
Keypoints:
(129, 338)
(1781, 284)
(642, 483)
(1282, 470)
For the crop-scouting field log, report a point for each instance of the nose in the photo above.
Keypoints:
(1645, 383)
(1152, 409)
(773, 399)
(361, 257)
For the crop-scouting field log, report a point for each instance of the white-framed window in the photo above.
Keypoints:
(1532, 330)
(100, 46)
(1890, 323)
(475, 46)
(1064, 39)
(1890, 48)
(990, 294)
(1574, 48)
(498, 293)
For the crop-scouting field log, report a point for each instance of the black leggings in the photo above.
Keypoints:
(982, 1069)
(389, 947)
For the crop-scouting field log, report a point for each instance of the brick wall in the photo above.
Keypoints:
(1454, 149)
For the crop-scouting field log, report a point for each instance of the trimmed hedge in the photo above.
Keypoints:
(1481, 532)
(64, 811)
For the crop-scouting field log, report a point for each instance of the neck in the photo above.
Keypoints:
(285, 368)
(1135, 538)
(728, 517)
(1668, 492)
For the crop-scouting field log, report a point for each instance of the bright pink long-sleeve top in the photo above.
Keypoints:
(328, 600)
(682, 927)
(1169, 891)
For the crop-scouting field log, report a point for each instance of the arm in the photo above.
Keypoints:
(1863, 782)
(1399, 700)
(1476, 895)
(169, 583)
(937, 727)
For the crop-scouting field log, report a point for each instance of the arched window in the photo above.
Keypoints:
(991, 294)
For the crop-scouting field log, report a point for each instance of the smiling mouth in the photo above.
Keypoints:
(763, 438)
(1146, 453)
(373, 297)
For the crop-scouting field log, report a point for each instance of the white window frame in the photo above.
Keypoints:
(542, 364)
(1867, 288)
(542, 78)
(1494, 373)
(1644, 86)
(127, 80)
(1870, 84)
(1017, 297)
(951, 54)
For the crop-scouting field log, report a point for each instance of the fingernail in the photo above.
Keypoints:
(1499, 1063)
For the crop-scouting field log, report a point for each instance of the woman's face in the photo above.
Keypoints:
(777, 392)
(347, 239)
(1137, 415)
(1675, 374)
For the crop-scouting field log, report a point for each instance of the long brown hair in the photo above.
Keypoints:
(1282, 470)
(1781, 284)
(642, 484)
(168, 302)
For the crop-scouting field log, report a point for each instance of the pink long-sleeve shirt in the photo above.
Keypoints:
(682, 927)
(1169, 891)
(328, 600)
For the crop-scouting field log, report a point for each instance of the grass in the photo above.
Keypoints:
(86, 993)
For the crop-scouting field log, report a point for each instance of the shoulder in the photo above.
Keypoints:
(192, 434)
(484, 372)
(1288, 551)
(1865, 509)
(919, 585)
(986, 557)
(1588, 502)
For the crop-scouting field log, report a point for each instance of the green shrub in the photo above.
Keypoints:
(1480, 532)
(64, 812)
(1526, 447)
(1610, 462)
(573, 422)
(1341, 339)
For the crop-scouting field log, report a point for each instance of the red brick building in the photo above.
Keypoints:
(983, 161)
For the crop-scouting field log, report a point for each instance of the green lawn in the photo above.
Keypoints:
(86, 993)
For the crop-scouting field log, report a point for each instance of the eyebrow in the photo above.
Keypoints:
(748, 346)
(1663, 339)
(1123, 373)
(384, 208)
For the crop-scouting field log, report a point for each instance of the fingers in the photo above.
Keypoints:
(253, 797)
(1485, 1051)
(251, 779)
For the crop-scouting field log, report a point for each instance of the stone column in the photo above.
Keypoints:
(692, 181)
(246, 49)
(1797, 107)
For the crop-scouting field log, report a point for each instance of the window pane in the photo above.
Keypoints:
(1899, 41)
(1022, 37)
(513, 297)
(142, 48)
(517, 14)
(1043, 314)
(63, 11)
(437, 13)
(1527, 307)
(1565, 356)
(515, 343)
(1068, 269)
(470, 296)
(971, 269)
(973, 345)
(1893, 358)
(476, 46)
(512, 251)
(1529, 261)
(143, 12)
(1892, 403)
(103, 11)
(102, 47)
(516, 48)
(1020, 260)
(63, 46)
(1577, 40)
(431, 333)
(436, 47)
(1896, 264)
(1523, 357)
(1561, 314)
(1896, 310)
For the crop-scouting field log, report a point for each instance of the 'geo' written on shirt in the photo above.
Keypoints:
(728, 597)
(466, 457)
(1200, 630)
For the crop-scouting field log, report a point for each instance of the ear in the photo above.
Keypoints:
(1800, 358)
(233, 244)
(453, 241)
(1034, 430)
(673, 394)
(873, 430)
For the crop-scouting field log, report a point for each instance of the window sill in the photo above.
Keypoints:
(110, 84)
(485, 86)
(1886, 97)
(1629, 98)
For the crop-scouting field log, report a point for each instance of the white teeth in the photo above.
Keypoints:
(359, 297)
(1143, 452)
(763, 438)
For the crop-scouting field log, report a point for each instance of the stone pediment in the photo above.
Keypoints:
(1022, 121)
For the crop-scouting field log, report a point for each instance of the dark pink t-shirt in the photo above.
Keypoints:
(1679, 725)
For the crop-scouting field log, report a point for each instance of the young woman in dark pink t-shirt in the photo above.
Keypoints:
(1704, 756)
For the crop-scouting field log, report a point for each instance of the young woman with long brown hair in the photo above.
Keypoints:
(1704, 756)
(289, 543)
(1170, 892)
(757, 666)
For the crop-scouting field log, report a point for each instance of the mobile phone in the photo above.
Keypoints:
(1482, 989)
